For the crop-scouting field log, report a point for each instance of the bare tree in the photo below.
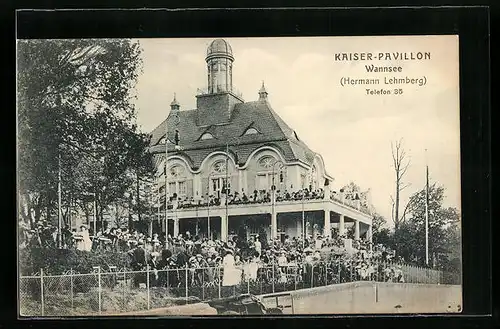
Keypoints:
(401, 163)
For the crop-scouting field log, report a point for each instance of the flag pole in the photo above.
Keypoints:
(426, 210)
(166, 183)
(59, 201)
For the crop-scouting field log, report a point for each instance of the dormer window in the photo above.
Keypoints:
(206, 136)
(251, 131)
(162, 140)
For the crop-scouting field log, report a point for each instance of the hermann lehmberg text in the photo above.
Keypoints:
(393, 82)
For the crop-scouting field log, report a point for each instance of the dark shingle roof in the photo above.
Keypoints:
(273, 131)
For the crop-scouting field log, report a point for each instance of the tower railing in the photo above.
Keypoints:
(205, 91)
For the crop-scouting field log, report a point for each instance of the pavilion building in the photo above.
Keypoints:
(227, 146)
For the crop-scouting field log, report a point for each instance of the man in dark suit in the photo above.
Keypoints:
(139, 260)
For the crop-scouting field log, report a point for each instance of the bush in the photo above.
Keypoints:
(58, 261)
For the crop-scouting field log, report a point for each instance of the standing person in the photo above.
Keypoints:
(139, 261)
(231, 275)
(253, 267)
(258, 245)
(318, 242)
(67, 237)
(83, 239)
(308, 264)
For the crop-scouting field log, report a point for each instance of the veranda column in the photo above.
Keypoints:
(356, 230)
(223, 228)
(176, 226)
(369, 234)
(341, 225)
(274, 225)
(327, 227)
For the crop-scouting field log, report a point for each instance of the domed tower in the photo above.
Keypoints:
(215, 104)
(220, 66)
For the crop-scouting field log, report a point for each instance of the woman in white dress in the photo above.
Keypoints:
(232, 275)
(253, 267)
(83, 242)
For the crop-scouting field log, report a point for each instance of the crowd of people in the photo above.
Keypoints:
(241, 258)
(262, 196)
(258, 196)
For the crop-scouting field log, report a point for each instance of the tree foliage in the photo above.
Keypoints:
(444, 229)
(75, 105)
(380, 233)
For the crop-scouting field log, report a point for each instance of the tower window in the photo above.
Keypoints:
(206, 136)
(251, 131)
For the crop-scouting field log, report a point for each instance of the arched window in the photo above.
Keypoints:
(218, 182)
(264, 178)
(177, 180)
(251, 131)
(219, 167)
(206, 136)
(314, 177)
(176, 171)
(267, 162)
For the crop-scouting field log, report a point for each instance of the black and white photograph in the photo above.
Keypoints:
(238, 176)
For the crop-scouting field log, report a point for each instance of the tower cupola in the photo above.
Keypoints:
(220, 67)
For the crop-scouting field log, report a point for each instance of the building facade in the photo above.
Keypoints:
(235, 166)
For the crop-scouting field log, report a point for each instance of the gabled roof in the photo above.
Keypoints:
(273, 132)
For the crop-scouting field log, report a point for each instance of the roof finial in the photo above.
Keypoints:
(262, 92)
(175, 104)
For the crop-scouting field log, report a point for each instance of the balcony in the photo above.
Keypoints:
(263, 199)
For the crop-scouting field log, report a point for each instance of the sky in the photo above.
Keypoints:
(351, 130)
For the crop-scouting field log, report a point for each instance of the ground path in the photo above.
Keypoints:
(351, 298)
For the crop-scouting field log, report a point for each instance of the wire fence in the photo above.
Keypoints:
(114, 292)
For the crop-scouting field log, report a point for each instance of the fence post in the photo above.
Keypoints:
(248, 284)
(99, 287)
(218, 279)
(41, 293)
(326, 273)
(312, 275)
(168, 280)
(295, 273)
(71, 287)
(147, 286)
(203, 284)
(339, 270)
(124, 286)
(273, 277)
(186, 284)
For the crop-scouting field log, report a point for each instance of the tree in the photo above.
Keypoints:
(401, 164)
(74, 103)
(380, 233)
(444, 229)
